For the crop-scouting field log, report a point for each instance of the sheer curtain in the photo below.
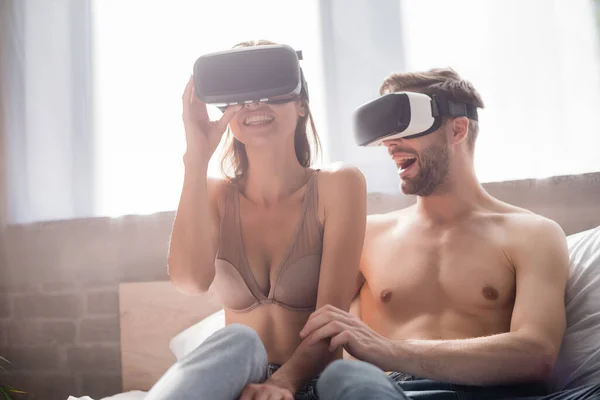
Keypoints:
(45, 98)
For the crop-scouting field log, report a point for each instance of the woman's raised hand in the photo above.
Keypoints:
(202, 135)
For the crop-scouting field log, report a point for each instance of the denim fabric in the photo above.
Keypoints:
(425, 389)
(356, 380)
(308, 392)
(218, 369)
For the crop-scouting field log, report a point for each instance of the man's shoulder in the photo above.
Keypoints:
(521, 221)
(529, 234)
(533, 229)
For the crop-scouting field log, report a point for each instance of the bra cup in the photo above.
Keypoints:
(298, 285)
(230, 287)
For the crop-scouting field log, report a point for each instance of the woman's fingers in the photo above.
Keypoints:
(185, 97)
(227, 117)
(198, 105)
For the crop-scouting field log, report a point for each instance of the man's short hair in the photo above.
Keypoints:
(437, 81)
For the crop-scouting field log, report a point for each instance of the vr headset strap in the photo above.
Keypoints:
(304, 90)
(443, 106)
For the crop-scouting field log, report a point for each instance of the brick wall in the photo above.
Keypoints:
(59, 306)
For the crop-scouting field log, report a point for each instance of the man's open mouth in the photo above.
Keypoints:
(405, 162)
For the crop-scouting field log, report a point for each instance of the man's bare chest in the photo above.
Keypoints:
(457, 269)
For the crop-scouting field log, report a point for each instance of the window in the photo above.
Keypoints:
(537, 65)
(143, 56)
(91, 89)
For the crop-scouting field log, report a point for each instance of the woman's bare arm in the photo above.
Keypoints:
(194, 239)
(196, 228)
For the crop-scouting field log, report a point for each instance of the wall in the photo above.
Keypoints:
(59, 316)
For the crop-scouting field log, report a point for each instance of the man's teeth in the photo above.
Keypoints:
(404, 159)
(257, 119)
(405, 162)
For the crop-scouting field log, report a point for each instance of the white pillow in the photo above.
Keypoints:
(131, 395)
(192, 337)
(578, 362)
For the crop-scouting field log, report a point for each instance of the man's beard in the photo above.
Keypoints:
(433, 171)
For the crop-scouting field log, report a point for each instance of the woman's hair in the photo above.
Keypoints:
(234, 157)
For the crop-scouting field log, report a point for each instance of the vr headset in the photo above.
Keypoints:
(268, 73)
(405, 115)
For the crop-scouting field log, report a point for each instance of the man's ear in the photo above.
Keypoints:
(460, 129)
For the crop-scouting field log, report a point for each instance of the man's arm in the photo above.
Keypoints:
(355, 307)
(524, 354)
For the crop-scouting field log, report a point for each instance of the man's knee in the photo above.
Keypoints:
(341, 378)
(336, 371)
(344, 369)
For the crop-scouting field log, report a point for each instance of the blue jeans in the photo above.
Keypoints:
(357, 380)
(220, 368)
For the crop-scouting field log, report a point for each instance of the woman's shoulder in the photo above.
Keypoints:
(340, 172)
(218, 187)
(340, 179)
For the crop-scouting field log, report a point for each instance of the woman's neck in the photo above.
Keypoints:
(272, 176)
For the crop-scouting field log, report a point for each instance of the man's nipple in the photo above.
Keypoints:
(386, 296)
(490, 293)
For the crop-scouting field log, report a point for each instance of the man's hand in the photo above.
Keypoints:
(347, 331)
(265, 391)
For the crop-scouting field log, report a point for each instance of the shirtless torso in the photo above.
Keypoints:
(446, 281)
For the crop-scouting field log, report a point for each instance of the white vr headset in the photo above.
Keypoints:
(405, 115)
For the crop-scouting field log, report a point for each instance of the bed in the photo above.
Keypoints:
(152, 314)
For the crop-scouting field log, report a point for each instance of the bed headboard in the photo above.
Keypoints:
(152, 313)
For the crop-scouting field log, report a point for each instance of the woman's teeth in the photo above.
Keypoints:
(257, 119)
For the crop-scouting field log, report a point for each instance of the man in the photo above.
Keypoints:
(462, 292)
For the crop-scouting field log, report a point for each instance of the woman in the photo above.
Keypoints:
(286, 238)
